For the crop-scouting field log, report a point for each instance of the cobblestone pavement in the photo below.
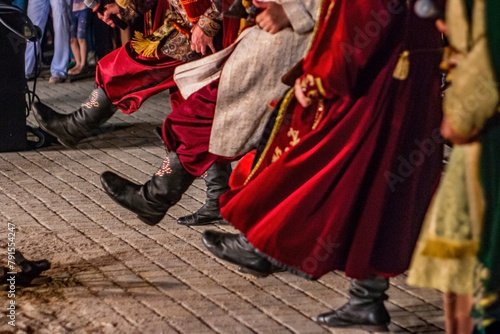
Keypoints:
(112, 273)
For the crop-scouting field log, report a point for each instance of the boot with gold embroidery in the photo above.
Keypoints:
(71, 128)
(151, 200)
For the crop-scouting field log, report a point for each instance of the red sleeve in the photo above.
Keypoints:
(349, 33)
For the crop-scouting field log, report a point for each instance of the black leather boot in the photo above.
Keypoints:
(152, 200)
(217, 181)
(365, 308)
(70, 129)
(236, 249)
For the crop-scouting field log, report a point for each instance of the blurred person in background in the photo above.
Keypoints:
(38, 12)
(459, 248)
(79, 24)
(125, 78)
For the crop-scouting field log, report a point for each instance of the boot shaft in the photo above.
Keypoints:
(169, 183)
(71, 128)
(94, 112)
(371, 289)
(217, 180)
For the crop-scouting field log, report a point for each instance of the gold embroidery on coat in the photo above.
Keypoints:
(295, 136)
(277, 154)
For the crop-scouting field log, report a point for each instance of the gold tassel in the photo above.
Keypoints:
(489, 300)
(123, 3)
(402, 67)
(145, 46)
(449, 249)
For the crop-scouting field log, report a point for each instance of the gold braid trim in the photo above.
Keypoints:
(277, 124)
(450, 249)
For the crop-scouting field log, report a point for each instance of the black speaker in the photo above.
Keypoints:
(12, 79)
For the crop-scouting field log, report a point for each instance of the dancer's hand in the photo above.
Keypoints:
(300, 94)
(456, 138)
(200, 41)
(273, 17)
(442, 27)
(111, 8)
(308, 89)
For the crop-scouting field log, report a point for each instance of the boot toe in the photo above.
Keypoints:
(42, 112)
(198, 220)
(114, 184)
(323, 318)
(211, 239)
(342, 318)
(330, 319)
(236, 249)
(51, 122)
(128, 195)
(221, 245)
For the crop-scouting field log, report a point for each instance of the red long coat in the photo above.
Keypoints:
(351, 185)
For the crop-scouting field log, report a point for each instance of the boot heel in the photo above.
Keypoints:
(252, 272)
(375, 328)
(151, 220)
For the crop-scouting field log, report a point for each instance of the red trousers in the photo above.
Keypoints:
(187, 129)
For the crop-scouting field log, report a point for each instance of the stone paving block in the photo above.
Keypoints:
(227, 324)
(403, 299)
(233, 304)
(422, 329)
(206, 286)
(201, 306)
(257, 320)
(408, 321)
(191, 325)
(278, 310)
(437, 321)
(312, 309)
(156, 327)
(347, 331)
(299, 323)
